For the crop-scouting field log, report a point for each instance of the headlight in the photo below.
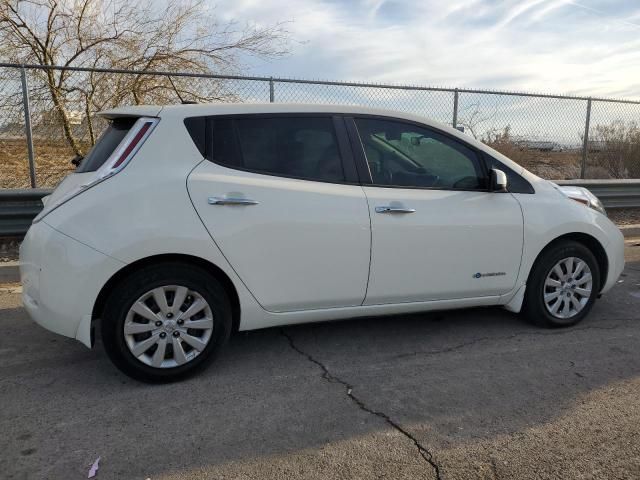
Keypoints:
(584, 196)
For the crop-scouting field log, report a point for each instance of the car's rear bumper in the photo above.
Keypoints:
(61, 279)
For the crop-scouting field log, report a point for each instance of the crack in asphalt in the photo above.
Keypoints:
(494, 468)
(504, 337)
(331, 378)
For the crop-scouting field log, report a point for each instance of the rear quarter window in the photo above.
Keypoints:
(196, 126)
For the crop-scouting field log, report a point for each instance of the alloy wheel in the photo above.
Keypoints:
(568, 287)
(168, 326)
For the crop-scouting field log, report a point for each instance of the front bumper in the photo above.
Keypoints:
(615, 256)
(61, 279)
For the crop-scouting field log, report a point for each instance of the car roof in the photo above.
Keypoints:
(198, 109)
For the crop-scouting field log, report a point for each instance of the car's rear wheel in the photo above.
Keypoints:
(165, 322)
(563, 285)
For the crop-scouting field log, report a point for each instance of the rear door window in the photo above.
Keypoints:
(298, 147)
(106, 144)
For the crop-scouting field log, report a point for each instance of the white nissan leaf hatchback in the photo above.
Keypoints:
(186, 222)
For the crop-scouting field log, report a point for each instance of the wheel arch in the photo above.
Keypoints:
(211, 268)
(592, 243)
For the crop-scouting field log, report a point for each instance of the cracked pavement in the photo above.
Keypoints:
(428, 456)
(468, 394)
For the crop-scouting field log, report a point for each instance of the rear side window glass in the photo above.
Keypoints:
(196, 126)
(106, 144)
(224, 147)
(299, 147)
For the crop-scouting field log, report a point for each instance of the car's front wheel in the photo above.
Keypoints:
(164, 322)
(563, 285)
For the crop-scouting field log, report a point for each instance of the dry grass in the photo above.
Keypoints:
(564, 165)
(52, 163)
(550, 165)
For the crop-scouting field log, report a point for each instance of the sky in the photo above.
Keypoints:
(586, 47)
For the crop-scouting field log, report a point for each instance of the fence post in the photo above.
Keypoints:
(455, 108)
(585, 145)
(271, 91)
(27, 125)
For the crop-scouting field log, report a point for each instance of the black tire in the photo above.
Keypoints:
(129, 290)
(534, 307)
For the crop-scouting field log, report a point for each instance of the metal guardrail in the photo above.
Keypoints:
(19, 207)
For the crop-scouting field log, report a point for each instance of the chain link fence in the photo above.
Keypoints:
(48, 115)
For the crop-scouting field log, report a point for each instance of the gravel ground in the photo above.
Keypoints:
(9, 249)
(625, 216)
(450, 395)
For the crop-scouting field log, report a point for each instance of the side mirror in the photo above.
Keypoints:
(498, 180)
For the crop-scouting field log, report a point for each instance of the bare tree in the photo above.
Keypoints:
(125, 34)
(473, 120)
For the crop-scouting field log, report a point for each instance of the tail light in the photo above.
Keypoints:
(131, 146)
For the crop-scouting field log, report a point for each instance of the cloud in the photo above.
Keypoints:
(541, 45)
(550, 7)
(518, 9)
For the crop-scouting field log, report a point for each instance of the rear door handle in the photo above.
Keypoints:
(231, 201)
(390, 209)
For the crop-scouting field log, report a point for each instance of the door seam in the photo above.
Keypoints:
(214, 240)
(366, 289)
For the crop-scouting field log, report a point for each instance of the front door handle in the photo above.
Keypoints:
(231, 201)
(390, 209)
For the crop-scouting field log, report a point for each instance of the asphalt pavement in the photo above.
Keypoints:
(467, 394)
